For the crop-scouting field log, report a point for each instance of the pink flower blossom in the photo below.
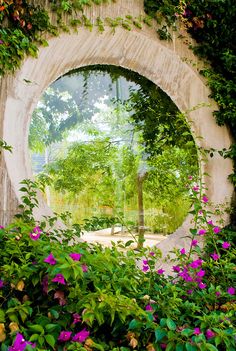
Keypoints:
(148, 308)
(205, 199)
(77, 318)
(201, 273)
(84, 268)
(59, 278)
(218, 293)
(201, 285)
(231, 291)
(194, 243)
(145, 268)
(1, 283)
(202, 231)
(197, 331)
(182, 251)
(35, 234)
(81, 336)
(196, 188)
(160, 271)
(50, 259)
(20, 343)
(145, 262)
(75, 256)
(176, 268)
(226, 245)
(64, 336)
(190, 291)
(216, 230)
(209, 334)
(210, 222)
(190, 177)
(215, 256)
(151, 253)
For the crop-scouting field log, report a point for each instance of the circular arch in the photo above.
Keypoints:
(133, 50)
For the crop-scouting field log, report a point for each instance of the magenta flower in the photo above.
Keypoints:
(190, 177)
(81, 336)
(190, 291)
(160, 271)
(218, 293)
(215, 256)
(1, 283)
(64, 336)
(176, 268)
(50, 259)
(76, 318)
(231, 291)
(202, 232)
(1, 227)
(197, 331)
(205, 199)
(196, 188)
(210, 222)
(194, 243)
(148, 308)
(75, 256)
(226, 245)
(216, 230)
(151, 253)
(35, 234)
(84, 268)
(201, 273)
(201, 285)
(20, 343)
(59, 278)
(145, 262)
(209, 334)
(145, 268)
(182, 251)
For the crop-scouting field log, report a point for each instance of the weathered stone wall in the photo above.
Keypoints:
(171, 65)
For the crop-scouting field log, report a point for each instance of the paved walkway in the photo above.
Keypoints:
(105, 238)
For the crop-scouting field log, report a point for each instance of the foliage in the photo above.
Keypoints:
(87, 297)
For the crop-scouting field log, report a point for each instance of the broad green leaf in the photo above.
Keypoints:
(50, 340)
(2, 316)
(190, 347)
(159, 334)
(34, 337)
(170, 324)
(37, 328)
(187, 332)
(179, 347)
(211, 347)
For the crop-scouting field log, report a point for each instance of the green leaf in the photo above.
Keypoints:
(159, 334)
(51, 327)
(2, 316)
(211, 347)
(37, 328)
(190, 347)
(50, 340)
(179, 347)
(187, 332)
(134, 324)
(34, 337)
(170, 346)
(170, 324)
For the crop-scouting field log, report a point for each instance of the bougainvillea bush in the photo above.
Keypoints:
(56, 295)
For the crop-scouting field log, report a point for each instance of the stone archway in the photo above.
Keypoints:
(140, 51)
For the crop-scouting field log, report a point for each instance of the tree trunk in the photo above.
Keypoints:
(141, 228)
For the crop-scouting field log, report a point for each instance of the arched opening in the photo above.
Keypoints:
(113, 150)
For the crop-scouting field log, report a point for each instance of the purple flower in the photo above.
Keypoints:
(205, 199)
(77, 318)
(81, 336)
(148, 308)
(194, 243)
(210, 222)
(201, 285)
(145, 268)
(182, 251)
(1, 283)
(218, 293)
(196, 264)
(151, 253)
(1, 227)
(176, 268)
(215, 256)
(160, 271)
(1, 42)
(190, 177)
(196, 188)
(209, 334)
(59, 278)
(75, 256)
(50, 259)
(190, 291)
(201, 273)
(64, 336)
(231, 291)
(197, 331)
(35, 234)
(216, 230)
(226, 245)
(20, 343)
(84, 268)
(145, 262)
(202, 232)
